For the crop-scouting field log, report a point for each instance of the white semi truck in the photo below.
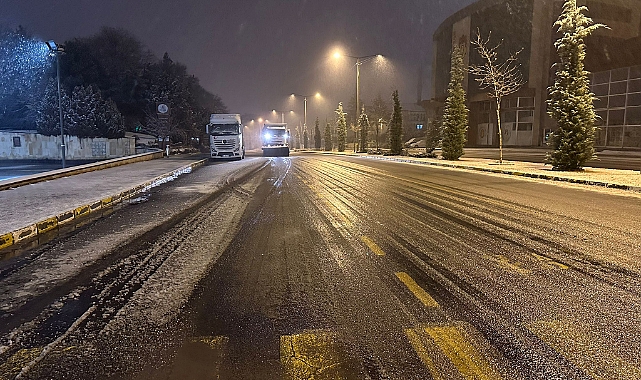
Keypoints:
(225, 136)
(275, 137)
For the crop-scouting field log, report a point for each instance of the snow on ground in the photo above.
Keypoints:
(163, 294)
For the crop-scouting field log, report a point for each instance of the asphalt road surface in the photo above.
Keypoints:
(321, 267)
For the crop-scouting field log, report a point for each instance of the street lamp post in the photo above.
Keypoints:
(317, 95)
(56, 50)
(359, 62)
(282, 114)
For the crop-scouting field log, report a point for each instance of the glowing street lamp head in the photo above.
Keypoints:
(337, 55)
(52, 45)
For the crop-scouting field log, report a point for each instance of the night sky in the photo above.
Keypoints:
(255, 53)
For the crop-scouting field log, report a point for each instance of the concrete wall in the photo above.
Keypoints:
(25, 145)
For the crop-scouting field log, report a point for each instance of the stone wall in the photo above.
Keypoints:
(34, 146)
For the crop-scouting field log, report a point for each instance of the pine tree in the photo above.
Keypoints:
(363, 126)
(317, 135)
(110, 122)
(455, 112)
(433, 135)
(47, 114)
(305, 139)
(341, 127)
(328, 137)
(297, 138)
(83, 112)
(396, 126)
(570, 101)
(380, 113)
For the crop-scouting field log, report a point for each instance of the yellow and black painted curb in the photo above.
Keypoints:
(53, 222)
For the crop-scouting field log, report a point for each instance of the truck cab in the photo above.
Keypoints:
(275, 138)
(225, 133)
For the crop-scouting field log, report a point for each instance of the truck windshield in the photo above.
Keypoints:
(224, 129)
(276, 132)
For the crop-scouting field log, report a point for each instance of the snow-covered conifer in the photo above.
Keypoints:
(396, 126)
(570, 100)
(455, 113)
(363, 127)
(328, 138)
(341, 127)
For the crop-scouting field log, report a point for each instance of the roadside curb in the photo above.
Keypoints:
(496, 171)
(53, 222)
(67, 172)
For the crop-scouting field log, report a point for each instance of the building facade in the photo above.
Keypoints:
(414, 121)
(613, 58)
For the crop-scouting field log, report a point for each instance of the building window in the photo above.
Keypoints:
(419, 126)
(509, 117)
(633, 116)
(520, 102)
(16, 142)
(510, 103)
(526, 102)
(618, 106)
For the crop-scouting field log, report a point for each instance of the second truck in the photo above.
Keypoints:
(275, 138)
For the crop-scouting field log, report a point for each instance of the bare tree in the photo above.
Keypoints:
(500, 78)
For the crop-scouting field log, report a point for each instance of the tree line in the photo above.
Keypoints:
(110, 83)
(367, 130)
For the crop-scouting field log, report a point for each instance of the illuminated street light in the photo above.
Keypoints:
(317, 95)
(56, 50)
(282, 114)
(359, 62)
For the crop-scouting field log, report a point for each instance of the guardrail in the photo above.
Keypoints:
(67, 172)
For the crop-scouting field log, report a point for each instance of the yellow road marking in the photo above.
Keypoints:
(585, 349)
(460, 351)
(310, 355)
(419, 292)
(214, 342)
(423, 354)
(549, 261)
(372, 246)
(507, 264)
(17, 361)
